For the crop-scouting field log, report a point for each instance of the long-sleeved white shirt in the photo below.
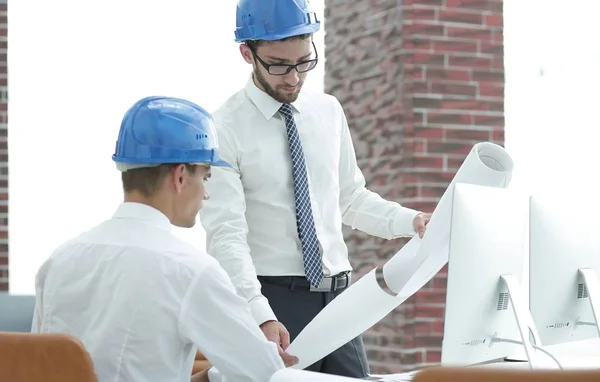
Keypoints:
(142, 302)
(250, 219)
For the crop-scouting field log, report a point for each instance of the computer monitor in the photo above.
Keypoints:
(564, 266)
(16, 312)
(486, 317)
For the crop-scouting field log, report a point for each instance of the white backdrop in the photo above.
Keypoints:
(552, 57)
(552, 93)
(75, 67)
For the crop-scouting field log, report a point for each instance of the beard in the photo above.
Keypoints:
(276, 93)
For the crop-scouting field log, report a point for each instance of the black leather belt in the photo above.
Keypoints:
(328, 284)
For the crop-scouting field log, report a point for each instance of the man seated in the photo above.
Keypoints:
(141, 300)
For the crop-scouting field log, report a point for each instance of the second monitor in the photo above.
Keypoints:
(564, 265)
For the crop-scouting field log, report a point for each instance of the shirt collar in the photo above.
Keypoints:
(266, 104)
(143, 212)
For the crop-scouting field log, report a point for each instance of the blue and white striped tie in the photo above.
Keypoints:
(304, 216)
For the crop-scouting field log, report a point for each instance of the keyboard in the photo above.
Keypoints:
(400, 377)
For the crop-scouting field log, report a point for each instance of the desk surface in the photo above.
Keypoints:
(573, 355)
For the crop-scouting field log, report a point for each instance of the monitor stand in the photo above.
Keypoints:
(524, 320)
(592, 286)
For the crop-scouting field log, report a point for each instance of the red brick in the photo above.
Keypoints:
(498, 62)
(437, 327)
(469, 60)
(420, 147)
(426, 207)
(454, 46)
(416, 87)
(414, 13)
(418, 327)
(434, 176)
(418, 44)
(432, 191)
(449, 118)
(489, 120)
(425, 102)
(469, 32)
(428, 133)
(472, 105)
(429, 297)
(483, 5)
(455, 163)
(433, 356)
(466, 134)
(498, 136)
(454, 89)
(4, 234)
(495, 20)
(435, 73)
(426, 58)
(457, 16)
(438, 3)
(441, 147)
(428, 161)
(498, 36)
(423, 29)
(429, 340)
(494, 89)
(488, 76)
(491, 47)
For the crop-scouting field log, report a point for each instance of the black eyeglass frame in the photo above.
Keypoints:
(288, 68)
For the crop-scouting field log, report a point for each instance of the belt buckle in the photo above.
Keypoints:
(325, 286)
(329, 284)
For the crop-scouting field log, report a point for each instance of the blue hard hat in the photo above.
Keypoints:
(157, 130)
(274, 19)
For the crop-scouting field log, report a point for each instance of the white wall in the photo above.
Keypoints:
(75, 68)
(552, 93)
(552, 62)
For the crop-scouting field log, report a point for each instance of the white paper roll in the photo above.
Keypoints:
(406, 272)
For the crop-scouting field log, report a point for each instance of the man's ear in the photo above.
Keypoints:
(246, 54)
(177, 177)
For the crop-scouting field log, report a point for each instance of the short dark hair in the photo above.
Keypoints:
(146, 180)
(253, 44)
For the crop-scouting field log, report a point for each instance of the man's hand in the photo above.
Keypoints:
(420, 222)
(201, 376)
(276, 332)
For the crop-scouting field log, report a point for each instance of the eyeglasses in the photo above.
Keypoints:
(283, 69)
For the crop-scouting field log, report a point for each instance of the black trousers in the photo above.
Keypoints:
(295, 306)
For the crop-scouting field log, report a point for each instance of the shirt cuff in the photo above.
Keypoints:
(261, 310)
(215, 375)
(402, 225)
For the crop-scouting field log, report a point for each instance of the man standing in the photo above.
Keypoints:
(140, 299)
(275, 219)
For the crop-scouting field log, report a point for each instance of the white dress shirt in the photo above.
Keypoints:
(142, 301)
(250, 218)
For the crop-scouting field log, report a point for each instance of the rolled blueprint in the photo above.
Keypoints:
(292, 375)
(405, 273)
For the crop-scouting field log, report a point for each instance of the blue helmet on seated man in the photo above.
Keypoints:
(166, 130)
(164, 151)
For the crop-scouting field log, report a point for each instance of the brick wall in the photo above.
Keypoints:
(421, 81)
(3, 149)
